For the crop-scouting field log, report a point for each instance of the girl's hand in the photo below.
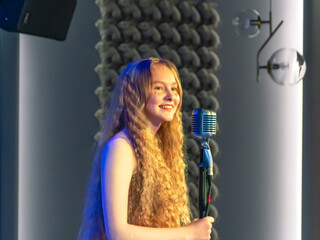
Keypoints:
(200, 229)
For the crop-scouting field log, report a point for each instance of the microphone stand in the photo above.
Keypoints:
(206, 178)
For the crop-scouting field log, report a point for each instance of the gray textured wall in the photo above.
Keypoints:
(257, 181)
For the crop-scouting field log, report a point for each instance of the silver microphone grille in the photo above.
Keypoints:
(203, 123)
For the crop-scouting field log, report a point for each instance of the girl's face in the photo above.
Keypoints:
(164, 98)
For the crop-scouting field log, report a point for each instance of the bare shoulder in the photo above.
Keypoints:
(120, 141)
(119, 150)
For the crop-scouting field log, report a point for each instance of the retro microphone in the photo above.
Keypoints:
(203, 128)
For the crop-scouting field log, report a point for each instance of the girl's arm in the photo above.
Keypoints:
(117, 166)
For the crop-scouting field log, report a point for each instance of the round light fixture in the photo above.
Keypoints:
(247, 23)
(286, 66)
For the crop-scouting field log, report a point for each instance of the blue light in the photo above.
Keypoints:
(6, 19)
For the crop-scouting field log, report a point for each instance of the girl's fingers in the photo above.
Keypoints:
(211, 219)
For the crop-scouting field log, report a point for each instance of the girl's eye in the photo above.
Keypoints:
(158, 88)
(174, 89)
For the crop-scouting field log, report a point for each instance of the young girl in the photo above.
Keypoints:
(137, 189)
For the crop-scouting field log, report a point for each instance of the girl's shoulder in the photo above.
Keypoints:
(121, 137)
(120, 147)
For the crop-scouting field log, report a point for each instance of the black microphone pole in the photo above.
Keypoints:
(205, 179)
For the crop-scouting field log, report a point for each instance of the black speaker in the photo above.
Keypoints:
(45, 18)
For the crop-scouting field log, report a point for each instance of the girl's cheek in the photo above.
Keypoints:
(157, 93)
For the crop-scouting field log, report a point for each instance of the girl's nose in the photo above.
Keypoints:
(169, 94)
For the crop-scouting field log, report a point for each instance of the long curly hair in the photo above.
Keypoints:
(158, 195)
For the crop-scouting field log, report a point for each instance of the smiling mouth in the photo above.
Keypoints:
(167, 107)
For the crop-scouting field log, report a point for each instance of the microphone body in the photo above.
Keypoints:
(203, 128)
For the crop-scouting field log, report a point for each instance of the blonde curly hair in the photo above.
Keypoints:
(158, 195)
